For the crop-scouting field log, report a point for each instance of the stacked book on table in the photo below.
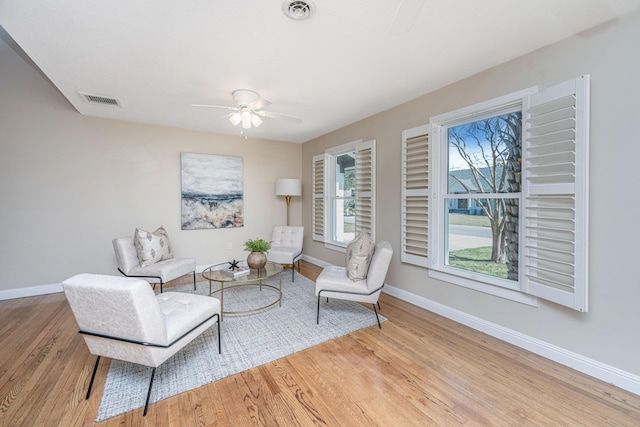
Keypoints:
(242, 271)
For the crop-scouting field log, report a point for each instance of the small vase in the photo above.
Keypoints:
(256, 260)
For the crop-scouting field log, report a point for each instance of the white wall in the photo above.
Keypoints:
(69, 184)
(609, 332)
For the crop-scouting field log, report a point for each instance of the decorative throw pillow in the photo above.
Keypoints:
(359, 253)
(152, 247)
(167, 252)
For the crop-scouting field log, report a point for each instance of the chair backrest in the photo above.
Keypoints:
(289, 236)
(126, 254)
(379, 265)
(116, 306)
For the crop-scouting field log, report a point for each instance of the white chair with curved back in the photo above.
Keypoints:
(122, 318)
(162, 271)
(334, 281)
(286, 246)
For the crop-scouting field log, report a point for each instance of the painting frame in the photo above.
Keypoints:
(211, 191)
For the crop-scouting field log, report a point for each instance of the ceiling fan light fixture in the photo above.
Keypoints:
(235, 118)
(256, 121)
(245, 113)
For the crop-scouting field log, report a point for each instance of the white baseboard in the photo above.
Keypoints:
(31, 291)
(315, 261)
(604, 372)
(601, 371)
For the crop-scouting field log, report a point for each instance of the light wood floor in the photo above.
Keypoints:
(419, 369)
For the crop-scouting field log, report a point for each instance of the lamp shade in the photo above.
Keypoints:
(288, 187)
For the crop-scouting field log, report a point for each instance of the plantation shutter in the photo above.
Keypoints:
(318, 203)
(365, 187)
(415, 197)
(556, 159)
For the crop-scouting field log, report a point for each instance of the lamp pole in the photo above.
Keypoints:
(288, 199)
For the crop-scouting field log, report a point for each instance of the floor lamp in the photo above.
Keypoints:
(288, 187)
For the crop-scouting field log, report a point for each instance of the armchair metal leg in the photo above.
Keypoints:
(377, 317)
(146, 404)
(93, 377)
(219, 340)
(318, 316)
(194, 280)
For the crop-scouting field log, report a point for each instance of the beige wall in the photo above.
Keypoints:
(69, 184)
(609, 332)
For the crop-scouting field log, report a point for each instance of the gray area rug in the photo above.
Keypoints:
(248, 341)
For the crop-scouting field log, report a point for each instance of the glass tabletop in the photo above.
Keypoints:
(215, 272)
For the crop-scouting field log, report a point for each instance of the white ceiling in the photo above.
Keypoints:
(339, 66)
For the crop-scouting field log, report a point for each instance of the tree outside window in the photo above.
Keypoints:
(484, 159)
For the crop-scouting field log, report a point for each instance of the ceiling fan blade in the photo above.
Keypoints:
(406, 16)
(259, 104)
(273, 115)
(223, 107)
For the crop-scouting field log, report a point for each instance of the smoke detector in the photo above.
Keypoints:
(298, 9)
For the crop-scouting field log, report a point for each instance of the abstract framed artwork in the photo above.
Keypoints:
(212, 191)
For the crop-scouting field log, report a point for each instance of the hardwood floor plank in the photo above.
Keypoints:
(419, 369)
(326, 387)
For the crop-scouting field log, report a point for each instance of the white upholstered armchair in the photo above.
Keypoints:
(333, 281)
(123, 319)
(286, 246)
(162, 271)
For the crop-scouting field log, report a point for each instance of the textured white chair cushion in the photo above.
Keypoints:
(127, 308)
(129, 264)
(183, 311)
(334, 278)
(286, 244)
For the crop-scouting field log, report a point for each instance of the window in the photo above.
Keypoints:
(343, 200)
(480, 227)
(494, 196)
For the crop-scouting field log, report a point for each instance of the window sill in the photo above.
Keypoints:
(497, 291)
(336, 247)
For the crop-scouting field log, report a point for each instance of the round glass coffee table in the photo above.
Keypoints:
(255, 278)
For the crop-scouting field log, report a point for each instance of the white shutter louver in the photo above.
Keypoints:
(556, 194)
(365, 188)
(318, 203)
(415, 197)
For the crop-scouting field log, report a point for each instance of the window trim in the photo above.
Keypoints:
(331, 196)
(439, 196)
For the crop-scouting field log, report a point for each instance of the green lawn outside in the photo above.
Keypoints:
(474, 220)
(477, 260)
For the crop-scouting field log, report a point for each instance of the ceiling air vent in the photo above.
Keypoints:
(100, 99)
(298, 9)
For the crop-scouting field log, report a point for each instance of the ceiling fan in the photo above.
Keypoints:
(249, 110)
